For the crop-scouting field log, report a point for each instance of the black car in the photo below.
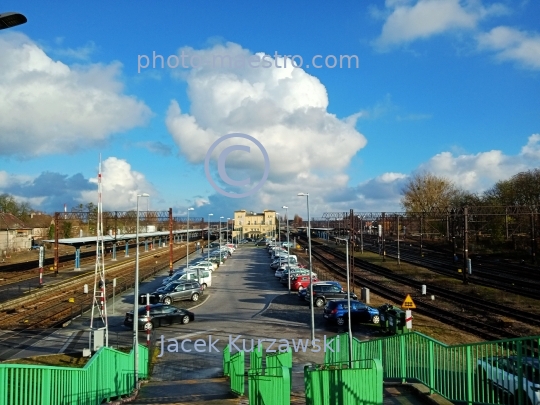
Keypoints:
(178, 291)
(302, 293)
(160, 314)
(325, 292)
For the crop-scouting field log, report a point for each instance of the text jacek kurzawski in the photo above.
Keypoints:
(239, 343)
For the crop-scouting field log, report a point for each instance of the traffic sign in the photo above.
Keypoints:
(408, 303)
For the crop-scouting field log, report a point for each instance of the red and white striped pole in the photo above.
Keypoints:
(41, 250)
(148, 317)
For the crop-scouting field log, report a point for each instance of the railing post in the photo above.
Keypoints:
(403, 358)
(431, 354)
(470, 371)
(226, 361)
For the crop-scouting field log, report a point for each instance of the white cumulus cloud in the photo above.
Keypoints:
(121, 185)
(514, 45)
(49, 107)
(285, 109)
(407, 22)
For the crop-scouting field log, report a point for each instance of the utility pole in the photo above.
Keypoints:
(465, 246)
(383, 236)
(533, 239)
(352, 241)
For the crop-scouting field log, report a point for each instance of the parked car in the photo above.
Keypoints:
(178, 291)
(324, 292)
(159, 315)
(502, 373)
(302, 293)
(302, 282)
(203, 276)
(338, 311)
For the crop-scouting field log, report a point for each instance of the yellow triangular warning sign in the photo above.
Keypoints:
(408, 303)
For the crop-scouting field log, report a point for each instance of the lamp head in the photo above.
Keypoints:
(285, 207)
(190, 209)
(303, 194)
(143, 195)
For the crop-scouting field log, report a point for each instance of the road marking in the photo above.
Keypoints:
(70, 339)
(194, 334)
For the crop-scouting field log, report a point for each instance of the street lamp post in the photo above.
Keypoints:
(220, 218)
(310, 270)
(187, 254)
(208, 247)
(349, 301)
(136, 301)
(228, 220)
(288, 245)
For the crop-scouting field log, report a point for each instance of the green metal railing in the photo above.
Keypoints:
(271, 386)
(256, 358)
(331, 384)
(236, 368)
(461, 373)
(108, 374)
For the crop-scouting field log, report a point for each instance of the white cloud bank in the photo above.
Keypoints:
(472, 172)
(48, 107)
(283, 108)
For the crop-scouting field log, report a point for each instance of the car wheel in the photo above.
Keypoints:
(340, 321)
(185, 319)
(319, 302)
(167, 301)
(148, 326)
(195, 297)
(376, 319)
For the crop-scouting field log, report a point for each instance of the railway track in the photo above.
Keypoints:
(467, 324)
(525, 287)
(464, 300)
(51, 307)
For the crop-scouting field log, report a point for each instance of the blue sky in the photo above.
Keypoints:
(447, 86)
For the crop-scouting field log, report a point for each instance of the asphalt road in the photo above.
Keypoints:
(242, 289)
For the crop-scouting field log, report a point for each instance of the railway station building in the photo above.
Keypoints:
(249, 224)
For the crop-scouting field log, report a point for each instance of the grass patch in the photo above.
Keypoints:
(54, 360)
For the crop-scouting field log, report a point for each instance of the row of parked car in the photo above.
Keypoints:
(327, 294)
(186, 283)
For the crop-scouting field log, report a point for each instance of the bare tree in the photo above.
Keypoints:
(425, 192)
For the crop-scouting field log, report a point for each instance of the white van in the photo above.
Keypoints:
(205, 277)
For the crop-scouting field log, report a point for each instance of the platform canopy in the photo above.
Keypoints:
(88, 240)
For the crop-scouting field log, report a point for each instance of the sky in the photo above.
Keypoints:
(347, 102)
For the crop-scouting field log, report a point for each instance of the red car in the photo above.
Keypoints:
(302, 282)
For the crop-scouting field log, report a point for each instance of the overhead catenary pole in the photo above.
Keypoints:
(56, 258)
(187, 254)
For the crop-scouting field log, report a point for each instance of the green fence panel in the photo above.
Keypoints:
(108, 374)
(462, 373)
(274, 362)
(332, 384)
(270, 387)
(256, 358)
(236, 370)
(226, 361)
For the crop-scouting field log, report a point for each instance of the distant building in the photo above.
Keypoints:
(40, 224)
(248, 224)
(15, 235)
